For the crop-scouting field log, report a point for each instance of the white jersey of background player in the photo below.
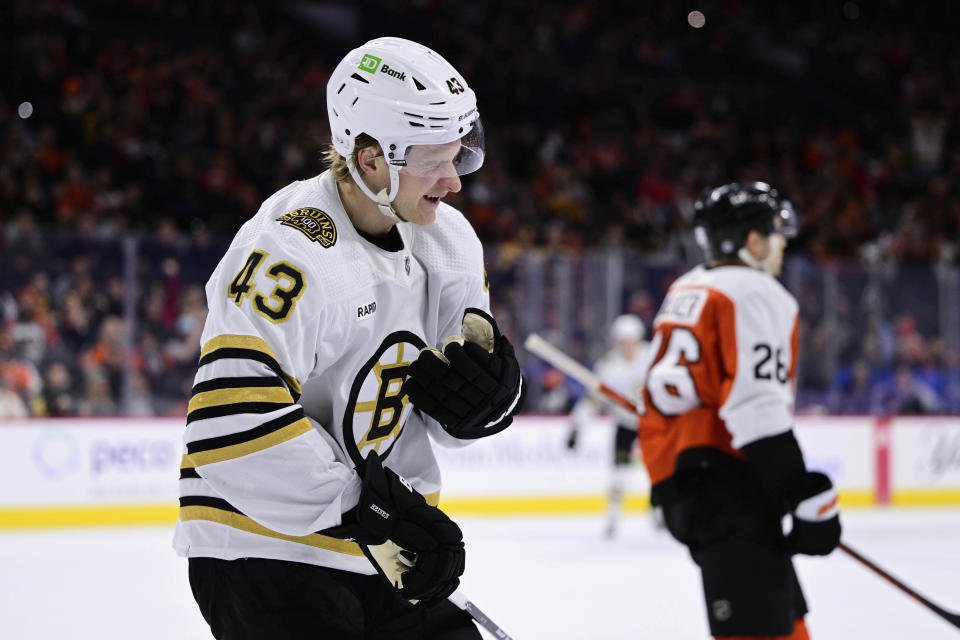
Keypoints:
(622, 369)
(313, 400)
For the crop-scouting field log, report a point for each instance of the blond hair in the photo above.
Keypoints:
(338, 164)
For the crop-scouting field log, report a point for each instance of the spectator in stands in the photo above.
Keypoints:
(853, 391)
(18, 377)
(906, 395)
(59, 391)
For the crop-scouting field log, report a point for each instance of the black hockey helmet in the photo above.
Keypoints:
(723, 216)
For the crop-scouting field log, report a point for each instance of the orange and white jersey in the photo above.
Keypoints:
(721, 365)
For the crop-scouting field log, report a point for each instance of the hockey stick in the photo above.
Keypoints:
(461, 601)
(567, 365)
(570, 367)
(952, 618)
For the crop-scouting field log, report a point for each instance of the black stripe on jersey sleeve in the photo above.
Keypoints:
(236, 383)
(239, 353)
(235, 408)
(342, 532)
(240, 437)
(242, 354)
(207, 501)
(188, 473)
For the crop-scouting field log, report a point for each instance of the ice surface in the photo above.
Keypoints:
(539, 578)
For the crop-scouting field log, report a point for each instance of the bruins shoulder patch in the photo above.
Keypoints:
(313, 223)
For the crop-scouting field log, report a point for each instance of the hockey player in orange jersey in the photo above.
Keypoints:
(716, 426)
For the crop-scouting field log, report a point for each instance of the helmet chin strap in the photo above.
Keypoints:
(762, 265)
(384, 198)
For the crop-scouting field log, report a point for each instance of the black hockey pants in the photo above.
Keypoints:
(260, 599)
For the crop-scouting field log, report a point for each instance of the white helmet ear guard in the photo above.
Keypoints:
(413, 103)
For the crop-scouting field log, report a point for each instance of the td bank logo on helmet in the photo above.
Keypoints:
(370, 64)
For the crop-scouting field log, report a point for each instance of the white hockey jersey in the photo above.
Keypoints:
(305, 348)
(623, 375)
(723, 359)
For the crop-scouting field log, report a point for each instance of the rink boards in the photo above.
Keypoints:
(72, 472)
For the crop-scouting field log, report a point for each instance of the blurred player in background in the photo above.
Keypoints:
(622, 369)
(717, 430)
(308, 466)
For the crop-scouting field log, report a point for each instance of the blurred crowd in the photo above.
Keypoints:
(169, 122)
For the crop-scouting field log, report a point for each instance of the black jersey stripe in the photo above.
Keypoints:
(188, 473)
(230, 439)
(235, 408)
(250, 354)
(246, 347)
(208, 501)
(236, 383)
(235, 445)
(242, 354)
(226, 396)
(205, 509)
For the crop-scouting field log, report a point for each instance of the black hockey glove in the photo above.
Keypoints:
(816, 517)
(808, 496)
(474, 387)
(415, 546)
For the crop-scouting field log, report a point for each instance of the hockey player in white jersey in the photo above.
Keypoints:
(622, 369)
(717, 426)
(325, 377)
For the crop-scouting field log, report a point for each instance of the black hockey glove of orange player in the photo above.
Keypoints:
(415, 546)
(809, 496)
(816, 517)
(474, 387)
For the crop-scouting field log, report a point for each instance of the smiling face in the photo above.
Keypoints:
(430, 175)
(427, 178)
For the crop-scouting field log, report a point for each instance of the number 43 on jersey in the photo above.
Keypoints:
(277, 305)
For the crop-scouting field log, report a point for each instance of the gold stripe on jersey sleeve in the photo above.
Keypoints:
(222, 397)
(253, 343)
(245, 523)
(241, 449)
(229, 341)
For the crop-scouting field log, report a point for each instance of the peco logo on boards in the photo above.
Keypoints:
(132, 456)
(56, 453)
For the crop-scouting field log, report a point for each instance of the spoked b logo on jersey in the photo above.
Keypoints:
(377, 407)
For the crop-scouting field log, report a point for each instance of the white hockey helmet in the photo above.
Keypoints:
(627, 327)
(408, 98)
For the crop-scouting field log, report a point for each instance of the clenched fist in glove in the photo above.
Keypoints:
(474, 387)
(415, 546)
(816, 518)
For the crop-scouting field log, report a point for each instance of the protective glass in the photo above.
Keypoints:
(456, 158)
